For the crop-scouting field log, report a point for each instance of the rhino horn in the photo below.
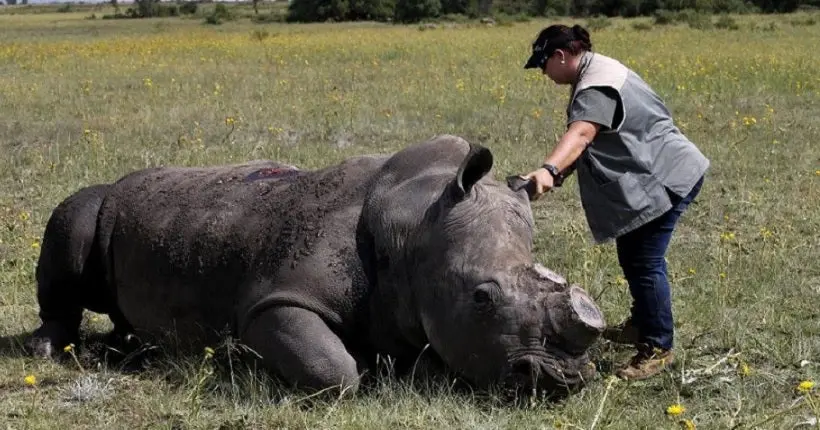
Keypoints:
(555, 281)
(574, 317)
(477, 163)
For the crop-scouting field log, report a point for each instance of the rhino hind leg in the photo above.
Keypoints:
(68, 272)
(296, 345)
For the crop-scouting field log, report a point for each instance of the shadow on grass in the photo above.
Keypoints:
(96, 351)
(13, 346)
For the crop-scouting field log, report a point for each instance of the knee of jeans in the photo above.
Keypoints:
(644, 265)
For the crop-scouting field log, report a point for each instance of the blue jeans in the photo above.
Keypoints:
(641, 255)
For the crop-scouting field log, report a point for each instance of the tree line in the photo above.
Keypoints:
(418, 10)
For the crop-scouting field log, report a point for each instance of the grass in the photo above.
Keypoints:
(85, 101)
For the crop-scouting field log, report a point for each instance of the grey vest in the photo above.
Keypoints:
(624, 173)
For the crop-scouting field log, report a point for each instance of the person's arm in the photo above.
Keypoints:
(592, 109)
(569, 148)
(572, 144)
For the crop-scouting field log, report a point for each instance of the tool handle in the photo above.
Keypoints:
(517, 183)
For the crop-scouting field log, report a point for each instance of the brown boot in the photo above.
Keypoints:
(646, 363)
(624, 333)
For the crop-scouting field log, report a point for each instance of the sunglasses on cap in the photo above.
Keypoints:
(542, 50)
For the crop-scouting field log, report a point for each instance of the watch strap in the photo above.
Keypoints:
(557, 177)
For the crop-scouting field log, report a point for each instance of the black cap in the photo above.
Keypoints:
(548, 40)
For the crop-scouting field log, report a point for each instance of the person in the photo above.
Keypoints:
(636, 173)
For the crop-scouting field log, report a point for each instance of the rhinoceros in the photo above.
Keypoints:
(319, 270)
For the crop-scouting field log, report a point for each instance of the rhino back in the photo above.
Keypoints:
(190, 247)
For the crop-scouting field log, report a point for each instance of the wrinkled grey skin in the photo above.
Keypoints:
(319, 271)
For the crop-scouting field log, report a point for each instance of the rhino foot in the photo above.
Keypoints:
(51, 337)
(123, 342)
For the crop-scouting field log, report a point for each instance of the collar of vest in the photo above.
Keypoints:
(596, 70)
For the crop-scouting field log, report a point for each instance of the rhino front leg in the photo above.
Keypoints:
(298, 346)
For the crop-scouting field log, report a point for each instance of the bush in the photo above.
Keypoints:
(317, 10)
(118, 15)
(219, 15)
(598, 23)
(687, 15)
(726, 22)
(417, 10)
(505, 20)
(266, 18)
(455, 7)
(371, 10)
(168, 10)
(456, 18)
(700, 21)
(189, 8)
(729, 6)
(508, 8)
(664, 17)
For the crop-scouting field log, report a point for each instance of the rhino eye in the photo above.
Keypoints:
(484, 295)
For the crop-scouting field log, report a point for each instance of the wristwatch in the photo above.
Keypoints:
(557, 177)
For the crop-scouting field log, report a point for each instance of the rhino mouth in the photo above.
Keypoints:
(546, 373)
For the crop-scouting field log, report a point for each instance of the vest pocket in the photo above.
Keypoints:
(626, 196)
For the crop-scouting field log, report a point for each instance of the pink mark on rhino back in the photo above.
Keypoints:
(272, 173)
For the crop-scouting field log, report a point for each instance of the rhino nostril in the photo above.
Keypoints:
(527, 366)
(522, 368)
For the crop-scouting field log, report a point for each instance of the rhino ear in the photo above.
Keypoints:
(477, 163)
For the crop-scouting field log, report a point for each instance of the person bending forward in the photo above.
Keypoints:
(636, 173)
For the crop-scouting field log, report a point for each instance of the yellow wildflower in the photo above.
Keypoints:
(687, 424)
(230, 120)
(744, 369)
(30, 380)
(209, 352)
(805, 386)
(35, 244)
(727, 235)
(749, 120)
(675, 410)
(817, 172)
(692, 271)
(68, 347)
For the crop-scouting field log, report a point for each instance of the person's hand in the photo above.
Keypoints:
(543, 182)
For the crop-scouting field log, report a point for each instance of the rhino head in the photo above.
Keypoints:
(487, 309)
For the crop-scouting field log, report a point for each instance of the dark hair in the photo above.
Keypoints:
(581, 40)
(573, 39)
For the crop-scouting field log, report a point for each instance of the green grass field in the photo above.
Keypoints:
(85, 101)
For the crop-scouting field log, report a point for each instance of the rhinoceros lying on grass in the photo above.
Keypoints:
(319, 270)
